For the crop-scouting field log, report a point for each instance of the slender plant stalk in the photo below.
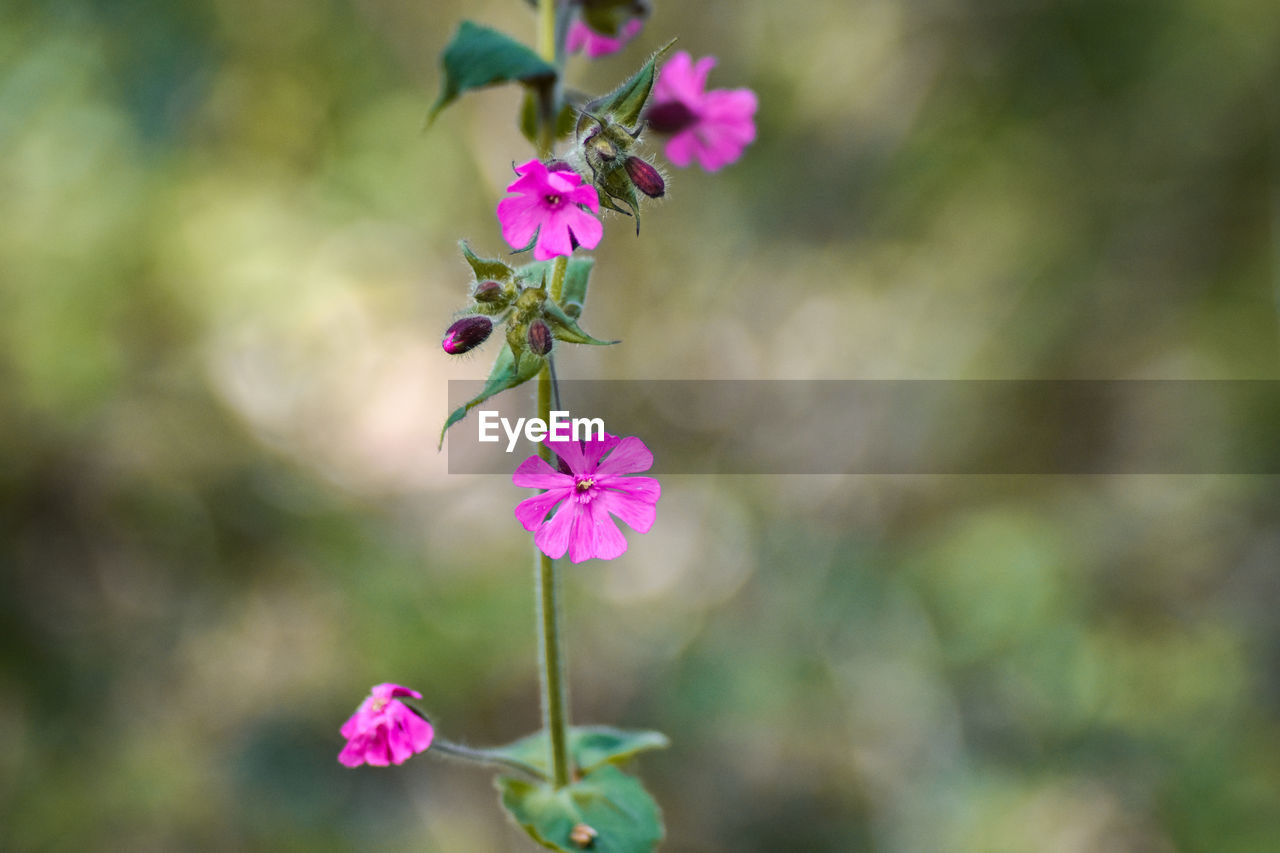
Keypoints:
(485, 756)
(554, 679)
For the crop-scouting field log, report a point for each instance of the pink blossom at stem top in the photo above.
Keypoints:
(591, 485)
(384, 730)
(710, 127)
(547, 204)
(597, 45)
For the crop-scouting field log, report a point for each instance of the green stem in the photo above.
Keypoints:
(554, 679)
(551, 668)
(546, 46)
(485, 756)
(558, 267)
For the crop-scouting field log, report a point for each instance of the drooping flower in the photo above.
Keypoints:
(384, 730)
(597, 44)
(547, 205)
(712, 127)
(590, 485)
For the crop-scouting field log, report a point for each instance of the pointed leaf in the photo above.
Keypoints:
(621, 815)
(617, 185)
(486, 268)
(589, 746)
(626, 103)
(506, 373)
(479, 56)
(566, 328)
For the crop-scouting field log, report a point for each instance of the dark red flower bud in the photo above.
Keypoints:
(487, 291)
(539, 337)
(670, 117)
(466, 334)
(645, 177)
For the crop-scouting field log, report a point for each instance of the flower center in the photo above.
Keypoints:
(584, 487)
(552, 199)
(378, 704)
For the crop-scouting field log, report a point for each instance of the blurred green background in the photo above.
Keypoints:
(227, 253)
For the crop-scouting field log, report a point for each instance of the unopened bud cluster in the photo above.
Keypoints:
(606, 147)
(519, 299)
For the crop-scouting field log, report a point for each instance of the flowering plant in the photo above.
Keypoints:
(563, 784)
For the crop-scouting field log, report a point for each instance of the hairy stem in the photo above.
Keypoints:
(551, 666)
(555, 683)
(485, 756)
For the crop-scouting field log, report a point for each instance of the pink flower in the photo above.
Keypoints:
(711, 127)
(597, 45)
(588, 487)
(384, 730)
(547, 206)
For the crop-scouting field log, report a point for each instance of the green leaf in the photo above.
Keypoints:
(617, 186)
(479, 56)
(566, 329)
(486, 268)
(617, 808)
(506, 373)
(589, 746)
(626, 103)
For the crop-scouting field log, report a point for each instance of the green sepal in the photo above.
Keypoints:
(617, 185)
(486, 269)
(566, 329)
(478, 56)
(507, 373)
(529, 119)
(573, 291)
(589, 746)
(626, 103)
(617, 808)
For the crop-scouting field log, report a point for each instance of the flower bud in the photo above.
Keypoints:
(645, 177)
(466, 334)
(539, 337)
(488, 291)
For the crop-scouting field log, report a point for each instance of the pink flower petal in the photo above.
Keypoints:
(629, 456)
(535, 473)
(595, 535)
(531, 512)
(636, 514)
(643, 489)
(680, 149)
(597, 45)
(552, 537)
(520, 219)
(384, 730)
